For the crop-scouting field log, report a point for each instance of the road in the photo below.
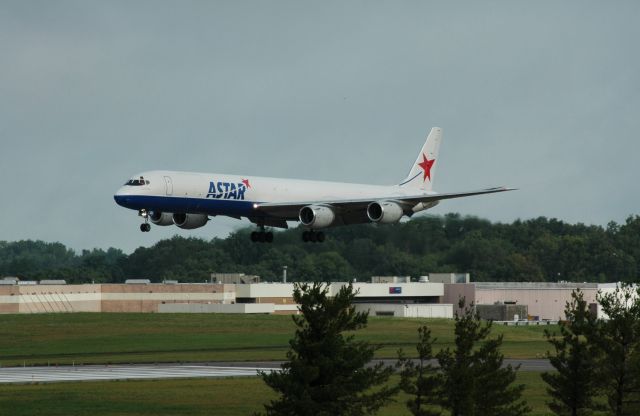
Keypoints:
(171, 371)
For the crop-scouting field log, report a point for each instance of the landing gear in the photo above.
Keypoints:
(313, 236)
(262, 236)
(146, 227)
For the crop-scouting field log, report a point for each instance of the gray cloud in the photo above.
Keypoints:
(538, 95)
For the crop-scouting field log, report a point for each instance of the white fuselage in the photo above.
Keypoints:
(220, 194)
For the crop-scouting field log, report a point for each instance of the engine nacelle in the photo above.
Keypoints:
(385, 212)
(190, 221)
(161, 218)
(316, 216)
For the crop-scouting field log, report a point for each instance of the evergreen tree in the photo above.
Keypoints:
(325, 372)
(572, 386)
(618, 339)
(475, 383)
(421, 380)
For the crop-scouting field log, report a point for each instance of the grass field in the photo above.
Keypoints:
(86, 338)
(221, 397)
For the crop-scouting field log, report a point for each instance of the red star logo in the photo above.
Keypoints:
(426, 165)
(246, 183)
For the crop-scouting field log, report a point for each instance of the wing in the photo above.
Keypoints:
(351, 207)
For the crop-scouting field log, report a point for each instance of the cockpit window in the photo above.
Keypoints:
(137, 182)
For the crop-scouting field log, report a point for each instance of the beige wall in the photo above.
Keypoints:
(58, 298)
(146, 298)
(276, 300)
(8, 299)
(545, 303)
(454, 291)
(108, 298)
(544, 300)
(286, 312)
(434, 310)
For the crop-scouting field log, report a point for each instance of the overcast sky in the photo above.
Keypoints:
(543, 96)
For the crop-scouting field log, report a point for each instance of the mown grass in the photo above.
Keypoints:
(138, 338)
(224, 397)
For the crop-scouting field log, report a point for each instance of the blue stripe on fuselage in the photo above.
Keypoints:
(189, 205)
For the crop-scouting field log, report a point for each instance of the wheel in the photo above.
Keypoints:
(269, 237)
(254, 236)
(313, 237)
(320, 237)
(261, 236)
(305, 236)
(143, 228)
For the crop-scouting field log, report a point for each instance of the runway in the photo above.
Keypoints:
(120, 372)
(174, 371)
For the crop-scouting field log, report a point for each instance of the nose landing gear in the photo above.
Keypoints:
(146, 227)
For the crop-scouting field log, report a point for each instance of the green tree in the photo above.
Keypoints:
(332, 267)
(627, 240)
(531, 250)
(475, 382)
(325, 372)
(420, 380)
(572, 386)
(618, 339)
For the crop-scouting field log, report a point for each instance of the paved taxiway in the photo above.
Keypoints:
(120, 372)
(171, 371)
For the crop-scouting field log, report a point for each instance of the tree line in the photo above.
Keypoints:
(539, 249)
(328, 372)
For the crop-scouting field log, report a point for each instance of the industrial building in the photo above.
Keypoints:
(46, 298)
(143, 296)
(435, 295)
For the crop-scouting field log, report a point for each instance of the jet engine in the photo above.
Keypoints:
(385, 212)
(161, 218)
(316, 216)
(190, 221)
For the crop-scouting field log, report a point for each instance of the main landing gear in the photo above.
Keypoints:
(146, 227)
(313, 236)
(262, 236)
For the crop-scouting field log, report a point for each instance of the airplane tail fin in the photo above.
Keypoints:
(423, 170)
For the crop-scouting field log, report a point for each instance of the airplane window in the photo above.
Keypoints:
(135, 182)
(147, 182)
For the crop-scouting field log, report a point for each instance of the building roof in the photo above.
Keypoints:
(535, 285)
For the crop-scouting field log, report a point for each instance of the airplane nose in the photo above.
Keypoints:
(121, 198)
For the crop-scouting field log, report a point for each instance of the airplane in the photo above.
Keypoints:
(188, 199)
